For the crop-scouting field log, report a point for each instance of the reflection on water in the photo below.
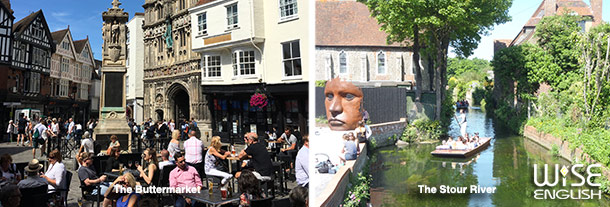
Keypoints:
(507, 165)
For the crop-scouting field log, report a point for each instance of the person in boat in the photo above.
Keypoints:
(462, 122)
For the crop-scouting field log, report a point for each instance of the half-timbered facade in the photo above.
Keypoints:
(71, 68)
(8, 77)
(30, 65)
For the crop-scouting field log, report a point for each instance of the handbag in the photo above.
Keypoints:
(324, 166)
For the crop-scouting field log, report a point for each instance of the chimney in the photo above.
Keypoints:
(550, 7)
(596, 7)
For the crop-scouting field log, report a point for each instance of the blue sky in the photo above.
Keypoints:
(84, 18)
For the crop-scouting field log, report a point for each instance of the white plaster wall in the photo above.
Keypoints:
(136, 58)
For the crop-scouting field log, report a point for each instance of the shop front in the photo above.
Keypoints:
(233, 115)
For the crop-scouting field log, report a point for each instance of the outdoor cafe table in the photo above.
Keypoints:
(232, 159)
(213, 199)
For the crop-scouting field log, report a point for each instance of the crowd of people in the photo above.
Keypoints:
(45, 133)
(462, 143)
(193, 162)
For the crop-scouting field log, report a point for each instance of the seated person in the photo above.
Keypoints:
(114, 143)
(165, 159)
(350, 148)
(184, 176)
(8, 170)
(10, 195)
(33, 178)
(259, 158)
(113, 164)
(127, 180)
(249, 187)
(87, 175)
(149, 170)
(299, 196)
(211, 156)
(55, 172)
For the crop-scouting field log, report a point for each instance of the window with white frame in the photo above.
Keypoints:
(84, 91)
(232, 19)
(63, 87)
(288, 9)
(243, 63)
(86, 72)
(381, 62)
(202, 24)
(342, 62)
(31, 82)
(40, 57)
(65, 45)
(211, 66)
(85, 53)
(292, 58)
(65, 65)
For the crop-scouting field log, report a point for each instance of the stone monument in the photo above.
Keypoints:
(112, 114)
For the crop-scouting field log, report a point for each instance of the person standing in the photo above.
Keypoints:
(463, 123)
(302, 164)
(9, 130)
(193, 152)
(70, 128)
(21, 130)
(39, 137)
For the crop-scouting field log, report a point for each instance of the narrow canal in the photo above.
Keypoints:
(506, 164)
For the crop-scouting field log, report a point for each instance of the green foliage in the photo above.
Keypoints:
(373, 143)
(558, 36)
(360, 190)
(439, 24)
(593, 141)
(321, 119)
(458, 66)
(422, 129)
(321, 83)
(554, 150)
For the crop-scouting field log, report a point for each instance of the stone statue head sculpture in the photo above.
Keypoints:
(343, 101)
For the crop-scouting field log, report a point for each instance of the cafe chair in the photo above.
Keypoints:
(165, 199)
(37, 196)
(265, 202)
(65, 187)
(86, 193)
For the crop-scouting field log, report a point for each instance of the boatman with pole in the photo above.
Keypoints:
(462, 122)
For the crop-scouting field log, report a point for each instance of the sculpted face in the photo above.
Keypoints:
(343, 104)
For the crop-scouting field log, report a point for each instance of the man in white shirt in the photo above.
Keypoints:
(86, 144)
(41, 128)
(302, 164)
(70, 128)
(193, 151)
(165, 158)
(463, 123)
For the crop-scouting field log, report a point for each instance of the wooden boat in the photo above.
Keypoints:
(462, 153)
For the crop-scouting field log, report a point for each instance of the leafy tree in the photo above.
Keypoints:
(558, 36)
(596, 70)
(440, 24)
(458, 66)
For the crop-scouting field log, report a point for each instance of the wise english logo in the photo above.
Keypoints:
(575, 191)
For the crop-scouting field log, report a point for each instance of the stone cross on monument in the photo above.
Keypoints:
(112, 114)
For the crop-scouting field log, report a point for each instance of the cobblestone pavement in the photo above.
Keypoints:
(24, 154)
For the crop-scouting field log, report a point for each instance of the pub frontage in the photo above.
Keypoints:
(233, 114)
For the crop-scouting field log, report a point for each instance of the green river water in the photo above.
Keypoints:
(506, 164)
